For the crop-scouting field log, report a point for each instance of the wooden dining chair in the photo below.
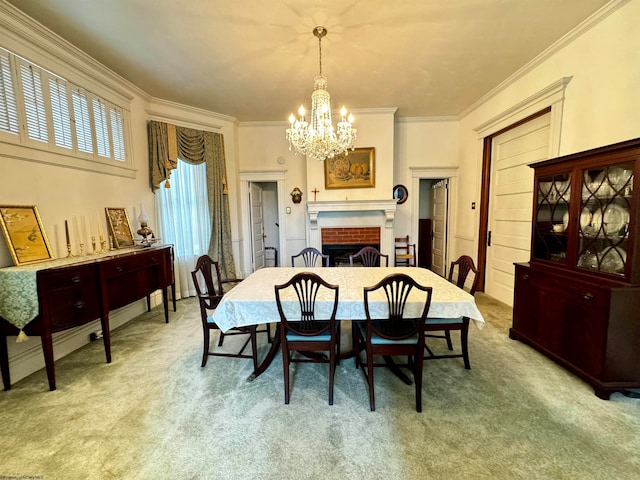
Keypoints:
(393, 334)
(405, 252)
(210, 289)
(370, 257)
(302, 330)
(310, 257)
(458, 275)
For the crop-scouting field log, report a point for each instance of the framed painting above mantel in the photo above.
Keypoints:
(353, 170)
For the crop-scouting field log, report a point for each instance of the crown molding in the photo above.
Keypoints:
(449, 118)
(595, 19)
(27, 31)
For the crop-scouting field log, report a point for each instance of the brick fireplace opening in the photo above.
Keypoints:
(341, 242)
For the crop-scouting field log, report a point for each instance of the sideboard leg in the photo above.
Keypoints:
(165, 302)
(106, 336)
(47, 349)
(4, 363)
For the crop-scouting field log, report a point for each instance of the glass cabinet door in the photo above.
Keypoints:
(604, 218)
(552, 217)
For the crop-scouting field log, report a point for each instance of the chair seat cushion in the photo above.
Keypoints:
(211, 321)
(378, 340)
(443, 321)
(292, 337)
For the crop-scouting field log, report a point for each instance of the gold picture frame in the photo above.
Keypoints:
(119, 227)
(353, 170)
(26, 239)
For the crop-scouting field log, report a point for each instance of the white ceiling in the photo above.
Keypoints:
(255, 59)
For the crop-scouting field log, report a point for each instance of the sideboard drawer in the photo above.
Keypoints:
(143, 260)
(69, 296)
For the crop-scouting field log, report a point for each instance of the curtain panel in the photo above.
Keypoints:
(196, 147)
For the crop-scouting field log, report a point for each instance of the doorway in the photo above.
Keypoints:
(271, 186)
(508, 237)
(435, 212)
(432, 224)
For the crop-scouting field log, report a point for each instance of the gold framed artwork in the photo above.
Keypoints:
(119, 227)
(355, 170)
(24, 233)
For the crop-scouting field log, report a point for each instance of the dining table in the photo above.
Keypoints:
(253, 301)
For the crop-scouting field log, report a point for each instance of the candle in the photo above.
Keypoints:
(100, 230)
(83, 231)
(66, 231)
(76, 232)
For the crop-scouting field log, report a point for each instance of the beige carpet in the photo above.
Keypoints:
(155, 414)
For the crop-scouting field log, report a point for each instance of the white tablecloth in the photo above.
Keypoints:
(253, 300)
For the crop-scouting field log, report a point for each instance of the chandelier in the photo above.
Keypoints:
(318, 139)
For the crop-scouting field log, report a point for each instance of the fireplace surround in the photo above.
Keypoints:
(358, 218)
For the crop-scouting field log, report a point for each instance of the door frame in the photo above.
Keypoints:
(259, 176)
(547, 100)
(434, 173)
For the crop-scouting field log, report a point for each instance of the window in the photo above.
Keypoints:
(8, 110)
(82, 121)
(36, 119)
(184, 220)
(102, 128)
(60, 113)
(43, 110)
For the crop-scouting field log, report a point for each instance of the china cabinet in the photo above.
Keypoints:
(578, 298)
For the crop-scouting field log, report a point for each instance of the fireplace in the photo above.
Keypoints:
(339, 253)
(340, 242)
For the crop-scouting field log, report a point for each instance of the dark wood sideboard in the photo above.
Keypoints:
(78, 293)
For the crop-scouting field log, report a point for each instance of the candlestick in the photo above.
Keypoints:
(66, 232)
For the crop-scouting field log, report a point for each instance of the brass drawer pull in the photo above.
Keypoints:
(79, 304)
(76, 279)
(119, 269)
(588, 296)
(525, 277)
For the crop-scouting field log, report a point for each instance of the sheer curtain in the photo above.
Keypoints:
(167, 144)
(185, 221)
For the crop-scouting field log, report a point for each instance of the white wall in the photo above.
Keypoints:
(375, 129)
(602, 103)
(420, 142)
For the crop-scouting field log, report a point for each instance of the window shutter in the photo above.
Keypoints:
(102, 128)
(8, 110)
(60, 113)
(82, 121)
(117, 132)
(34, 102)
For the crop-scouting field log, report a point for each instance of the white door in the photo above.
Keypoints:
(510, 203)
(257, 225)
(439, 227)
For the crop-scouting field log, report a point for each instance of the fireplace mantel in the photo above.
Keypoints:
(387, 207)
